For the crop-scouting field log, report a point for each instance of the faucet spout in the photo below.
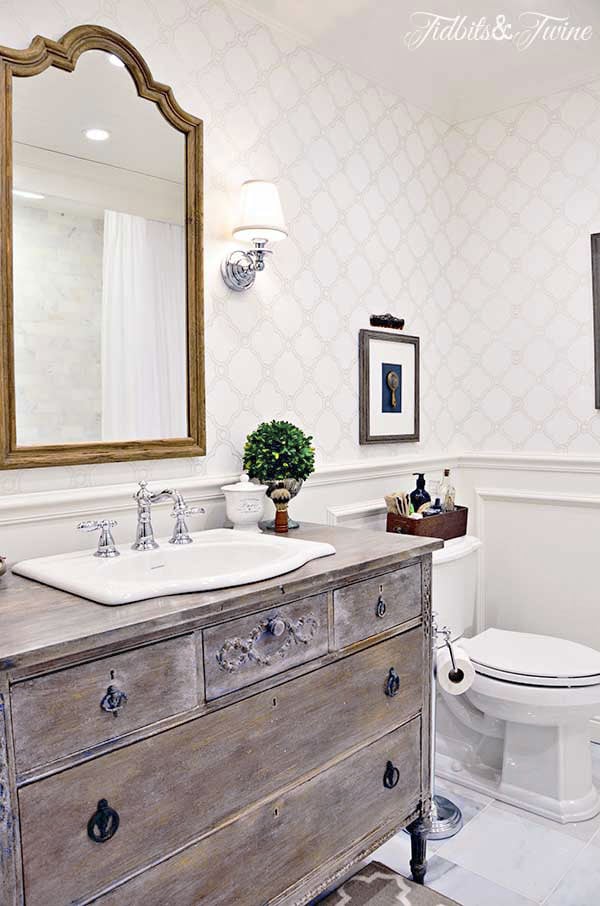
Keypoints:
(144, 539)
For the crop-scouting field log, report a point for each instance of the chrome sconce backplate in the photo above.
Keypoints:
(239, 269)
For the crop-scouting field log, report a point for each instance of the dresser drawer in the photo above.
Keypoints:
(172, 787)
(271, 849)
(247, 650)
(374, 605)
(65, 712)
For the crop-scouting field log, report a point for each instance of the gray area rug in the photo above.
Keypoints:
(376, 885)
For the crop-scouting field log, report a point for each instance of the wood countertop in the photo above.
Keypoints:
(40, 624)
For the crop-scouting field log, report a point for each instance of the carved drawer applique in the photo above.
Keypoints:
(236, 652)
(247, 650)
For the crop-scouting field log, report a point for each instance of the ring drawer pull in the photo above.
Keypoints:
(104, 823)
(381, 607)
(392, 685)
(113, 701)
(391, 776)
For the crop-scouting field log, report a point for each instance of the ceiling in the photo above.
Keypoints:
(457, 80)
(140, 169)
(52, 110)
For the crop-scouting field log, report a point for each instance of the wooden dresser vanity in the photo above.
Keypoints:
(245, 746)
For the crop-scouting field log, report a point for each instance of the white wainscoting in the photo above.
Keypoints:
(539, 520)
(43, 523)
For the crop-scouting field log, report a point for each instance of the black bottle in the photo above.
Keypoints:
(419, 496)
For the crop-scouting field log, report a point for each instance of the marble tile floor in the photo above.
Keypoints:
(505, 856)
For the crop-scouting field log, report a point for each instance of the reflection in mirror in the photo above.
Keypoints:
(99, 260)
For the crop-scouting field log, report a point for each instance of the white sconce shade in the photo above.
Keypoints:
(261, 214)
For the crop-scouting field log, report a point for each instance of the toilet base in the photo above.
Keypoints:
(490, 784)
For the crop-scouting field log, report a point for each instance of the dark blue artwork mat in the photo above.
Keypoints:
(386, 393)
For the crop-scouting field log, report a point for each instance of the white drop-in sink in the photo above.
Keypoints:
(218, 558)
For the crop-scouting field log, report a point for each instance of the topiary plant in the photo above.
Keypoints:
(278, 450)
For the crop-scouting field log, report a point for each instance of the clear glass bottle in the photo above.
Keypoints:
(447, 493)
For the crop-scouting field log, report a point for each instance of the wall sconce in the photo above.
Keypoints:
(261, 221)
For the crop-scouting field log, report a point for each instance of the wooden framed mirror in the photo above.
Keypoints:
(101, 319)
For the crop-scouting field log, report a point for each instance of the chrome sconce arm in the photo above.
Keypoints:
(240, 268)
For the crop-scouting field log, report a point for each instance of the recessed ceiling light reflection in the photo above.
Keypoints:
(23, 194)
(115, 60)
(97, 135)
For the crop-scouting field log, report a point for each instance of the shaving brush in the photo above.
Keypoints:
(281, 498)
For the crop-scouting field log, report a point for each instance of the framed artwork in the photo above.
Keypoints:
(595, 237)
(388, 387)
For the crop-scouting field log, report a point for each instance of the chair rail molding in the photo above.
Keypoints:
(530, 462)
(24, 515)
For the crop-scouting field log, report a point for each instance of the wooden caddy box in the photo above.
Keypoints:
(444, 526)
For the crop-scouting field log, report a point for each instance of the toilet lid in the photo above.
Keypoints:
(533, 660)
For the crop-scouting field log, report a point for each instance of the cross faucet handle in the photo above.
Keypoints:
(106, 542)
(181, 534)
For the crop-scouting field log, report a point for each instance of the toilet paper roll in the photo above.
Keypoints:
(454, 682)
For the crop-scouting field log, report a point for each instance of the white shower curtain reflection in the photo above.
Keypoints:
(144, 356)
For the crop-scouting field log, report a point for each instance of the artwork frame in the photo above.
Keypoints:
(595, 249)
(397, 419)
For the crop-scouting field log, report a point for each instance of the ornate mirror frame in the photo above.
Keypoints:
(64, 54)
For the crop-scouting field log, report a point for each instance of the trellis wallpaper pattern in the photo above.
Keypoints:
(478, 235)
(361, 175)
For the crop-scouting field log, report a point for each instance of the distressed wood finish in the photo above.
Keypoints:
(41, 54)
(10, 886)
(253, 860)
(43, 625)
(209, 770)
(367, 608)
(245, 651)
(61, 712)
(200, 792)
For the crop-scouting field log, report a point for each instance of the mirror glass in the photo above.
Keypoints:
(99, 259)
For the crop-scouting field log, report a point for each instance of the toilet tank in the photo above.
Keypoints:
(454, 585)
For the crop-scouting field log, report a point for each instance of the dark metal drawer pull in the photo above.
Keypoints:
(392, 685)
(381, 607)
(391, 776)
(113, 701)
(104, 823)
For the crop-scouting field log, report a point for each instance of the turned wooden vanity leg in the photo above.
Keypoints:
(418, 850)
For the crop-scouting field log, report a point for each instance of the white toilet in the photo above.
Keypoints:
(521, 732)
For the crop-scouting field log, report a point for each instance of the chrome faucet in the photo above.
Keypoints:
(144, 539)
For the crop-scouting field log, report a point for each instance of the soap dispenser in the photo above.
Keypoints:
(419, 496)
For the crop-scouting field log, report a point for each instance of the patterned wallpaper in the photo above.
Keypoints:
(524, 196)
(477, 235)
(361, 176)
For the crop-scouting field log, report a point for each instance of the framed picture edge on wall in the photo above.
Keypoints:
(595, 248)
(364, 384)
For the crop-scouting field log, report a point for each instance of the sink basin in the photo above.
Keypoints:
(219, 558)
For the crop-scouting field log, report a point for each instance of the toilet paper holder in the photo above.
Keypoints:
(445, 819)
(456, 674)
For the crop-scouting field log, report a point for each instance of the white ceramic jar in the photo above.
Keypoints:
(245, 503)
